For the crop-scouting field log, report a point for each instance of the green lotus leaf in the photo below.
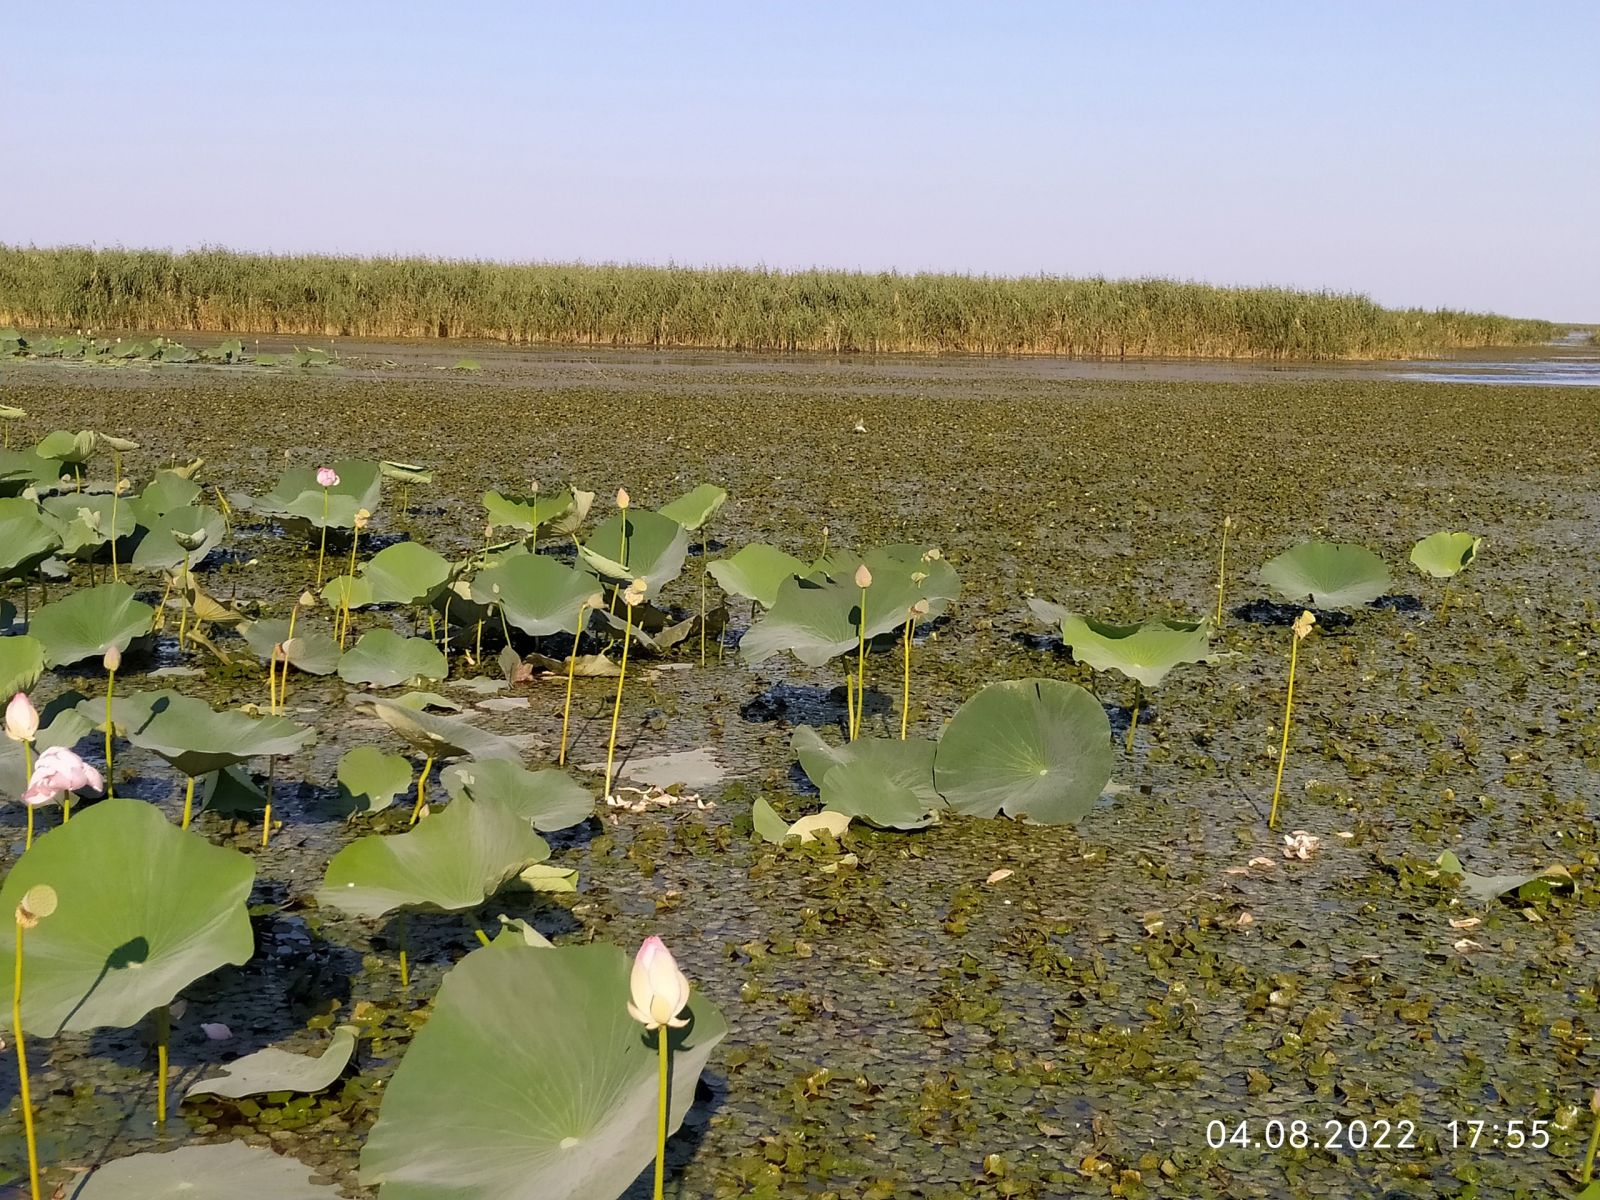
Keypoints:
(550, 799)
(405, 573)
(312, 649)
(1443, 555)
(230, 792)
(529, 514)
(889, 790)
(1327, 575)
(1146, 652)
(384, 659)
(166, 492)
(454, 859)
(229, 1171)
(86, 521)
(813, 621)
(775, 829)
(542, 877)
(273, 1070)
(1487, 888)
(143, 910)
(298, 495)
(538, 594)
(901, 575)
(695, 507)
(439, 737)
(370, 779)
(21, 664)
(87, 623)
(158, 550)
(196, 738)
(490, 1105)
(767, 823)
(73, 449)
(909, 763)
(656, 548)
(756, 572)
(408, 473)
(515, 933)
(27, 538)
(349, 591)
(1037, 749)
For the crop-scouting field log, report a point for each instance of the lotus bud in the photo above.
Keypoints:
(38, 902)
(634, 596)
(112, 659)
(1594, 1102)
(307, 600)
(659, 990)
(22, 719)
(533, 484)
(622, 498)
(189, 542)
(920, 608)
(327, 477)
(1227, 522)
(863, 576)
(1303, 624)
(124, 486)
(363, 517)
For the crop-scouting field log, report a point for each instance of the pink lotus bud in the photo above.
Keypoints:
(660, 991)
(863, 576)
(327, 477)
(59, 770)
(112, 660)
(622, 498)
(22, 719)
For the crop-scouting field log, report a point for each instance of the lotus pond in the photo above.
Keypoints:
(1035, 936)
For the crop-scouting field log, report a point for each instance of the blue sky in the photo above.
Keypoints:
(1439, 154)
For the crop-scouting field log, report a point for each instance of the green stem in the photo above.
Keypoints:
(483, 938)
(188, 803)
(1222, 572)
(183, 604)
(22, 1067)
(861, 667)
(405, 967)
(116, 492)
(111, 683)
(1133, 724)
(572, 667)
(163, 1017)
(422, 790)
(616, 707)
(266, 813)
(1283, 750)
(27, 773)
(702, 597)
(1584, 1176)
(905, 692)
(661, 1118)
(322, 550)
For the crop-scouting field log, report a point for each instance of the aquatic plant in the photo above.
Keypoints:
(27, 538)
(407, 475)
(341, 624)
(693, 510)
(548, 799)
(223, 1171)
(636, 545)
(274, 1070)
(37, 903)
(21, 663)
(659, 991)
(565, 1107)
(559, 513)
(300, 501)
(1445, 555)
(919, 609)
(370, 779)
(1222, 568)
(1300, 631)
(57, 774)
(889, 782)
(631, 599)
(1327, 575)
(111, 661)
(384, 659)
(88, 622)
(756, 571)
(436, 737)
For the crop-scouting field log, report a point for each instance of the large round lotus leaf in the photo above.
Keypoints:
(312, 649)
(528, 514)
(538, 594)
(889, 790)
(454, 859)
(384, 659)
(405, 573)
(908, 762)
(1327, 574)
(143, 910)
(86, 522)
(229, 1171)
(27, 538)
(492, 1103)
(440, 737)
(756, 571)
(550, 799)
(1034, 748)
(1445, 554)
(370, 780)
(194, 737)
(298, 495)
(1145, 652)
(87, 623)
(273, 1070)
(656, 548)
(813, 621)
(21, 664)
(694, 508)
(167, 492)
(158, 549)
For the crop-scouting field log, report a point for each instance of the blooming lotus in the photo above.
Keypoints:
(22, 719)
(660, 990)
(327, 477)
(57, 772)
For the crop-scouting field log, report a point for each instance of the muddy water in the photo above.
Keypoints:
(1158, 968)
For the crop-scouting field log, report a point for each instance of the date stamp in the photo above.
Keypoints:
(1358, 1134)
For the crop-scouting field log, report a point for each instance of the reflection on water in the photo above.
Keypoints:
(1550, 366)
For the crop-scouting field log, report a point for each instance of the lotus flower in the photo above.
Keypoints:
(660, 990)
(59, 770)
(22, 719)
(327, 477)
(622, 498)
(863, 576)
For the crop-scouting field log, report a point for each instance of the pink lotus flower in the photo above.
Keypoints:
(22, 719)
(59, 770)
(327, 477)
(660, 990)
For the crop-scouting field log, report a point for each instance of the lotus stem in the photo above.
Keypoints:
(116, 493)
(445, 632)
(27, 773)
(272, 679)
(661, 1117)
(1444, 601)
(572, 667)
(322, 550)
(702, 597)
(905, 691)
(405, 966)
(227, 509)
(111, 683)
(1302, 627)
(405, 499)
(1133, 722)
(161, 609)
(477, 652)
(344, 592)
(266, 813)
(422, 790)
(183, 604)
(850, 704)
(1585, 1173)
(616, 707)
(163, 1018)
(1222, 568)
(861, 666)
(483, 938)
(283, 686)
(26, 1095)
(188, 803)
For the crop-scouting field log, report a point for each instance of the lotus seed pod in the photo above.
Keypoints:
(363, 517)
(307, 600)
(38, 902)
(1303, 624)
(863, 576)
(112, 659)
(622, 498)
(920, 608)
(634, 596)
(598, 600)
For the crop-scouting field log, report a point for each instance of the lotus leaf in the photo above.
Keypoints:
(542, 877)
(529, 514)
(1443, 555)
(370, 780)
(756, 572)
(490, 1105)
(86, 522)
(21, 664)
(168, 491)
(298, 495)
(1146, 652)
(436, 736)
(273, 1070)
(405, 573)
(550, 799)
(87, 623)
(196, 738)
(74, 449)
(407, 473)
(515, 932)
(144, 909)
(537, 594)
(454, 859)
(656, 548)
(384, 659)
(229, 1171)
(1033, 748)
(231, 792)
(347, 591)
(774, 828)
(885, 794)
(695, 507)
(158, 549)
(27, 538)
(1327, 575)
(312, 649)
(1487, 888)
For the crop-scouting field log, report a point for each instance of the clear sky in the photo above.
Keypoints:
(1437, 154)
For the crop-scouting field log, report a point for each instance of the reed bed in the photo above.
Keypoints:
(221, 291)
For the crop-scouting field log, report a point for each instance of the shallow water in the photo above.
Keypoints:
(1134, 979)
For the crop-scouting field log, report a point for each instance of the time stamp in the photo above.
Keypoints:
(1356, 1135)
